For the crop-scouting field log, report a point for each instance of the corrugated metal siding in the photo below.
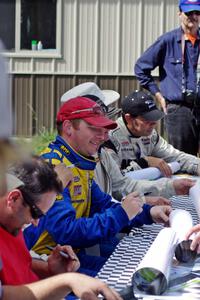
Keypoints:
(101, 40)
(23, 105)
(103, 37)
(36, 98)
(44, 102)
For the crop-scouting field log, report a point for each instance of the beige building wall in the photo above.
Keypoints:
(98, 40)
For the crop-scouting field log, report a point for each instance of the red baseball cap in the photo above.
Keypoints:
(86, 109)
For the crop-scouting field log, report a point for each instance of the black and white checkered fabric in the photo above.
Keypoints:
(118, 270)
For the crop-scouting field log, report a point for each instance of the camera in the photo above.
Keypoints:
(189, 97)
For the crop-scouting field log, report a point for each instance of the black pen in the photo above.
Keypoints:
(62, 253)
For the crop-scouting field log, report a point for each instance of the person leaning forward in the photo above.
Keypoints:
(176, 53)
(31, 190)
(84, 215)
(137, 145)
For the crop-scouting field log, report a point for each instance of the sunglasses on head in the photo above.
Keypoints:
(36, 212)
(190, 13)
(96, 109)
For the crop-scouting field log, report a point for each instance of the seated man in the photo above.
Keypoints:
(84, 215)
(136, 144)
(30, 193)
(107, 173)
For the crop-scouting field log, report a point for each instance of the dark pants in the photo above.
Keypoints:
(182, 128)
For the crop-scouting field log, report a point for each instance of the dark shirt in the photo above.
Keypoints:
(166, 53)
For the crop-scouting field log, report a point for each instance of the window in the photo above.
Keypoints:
(24, 23)
(7, 23)
(38, 23)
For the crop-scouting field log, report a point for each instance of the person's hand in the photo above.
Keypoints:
(182, 186)
(58, 264)
(160, 214)
(195, 245)
(158, 200)
(88, 288)
(132, 204)
(161, 101)
(160, 164)
(64, 174)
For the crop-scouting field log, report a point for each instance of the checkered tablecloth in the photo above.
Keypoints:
(118, 270)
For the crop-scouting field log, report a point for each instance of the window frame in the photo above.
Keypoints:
(35, 53)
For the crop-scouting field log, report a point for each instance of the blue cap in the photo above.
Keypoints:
(189, 5)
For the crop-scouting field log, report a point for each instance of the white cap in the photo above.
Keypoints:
(90, 88)
(13, 182)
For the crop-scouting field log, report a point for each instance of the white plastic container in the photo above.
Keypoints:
(39, 46)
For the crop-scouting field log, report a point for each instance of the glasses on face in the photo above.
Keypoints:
(36, 212)
(190, 13)
(96, 109)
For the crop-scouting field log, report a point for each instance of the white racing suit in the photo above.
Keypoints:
(130, 152)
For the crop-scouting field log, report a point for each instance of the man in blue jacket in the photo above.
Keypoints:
(83, 215)
(176, 53)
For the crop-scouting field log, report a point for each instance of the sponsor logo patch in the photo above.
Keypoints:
(77, 190)
(146, 141)
(64, 149)
(76, 178)
(125, 143)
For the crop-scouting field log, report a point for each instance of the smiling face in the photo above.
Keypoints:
(83, 137)
(190, 21)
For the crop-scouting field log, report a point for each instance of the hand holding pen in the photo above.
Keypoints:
(62, 259)
(132, 204)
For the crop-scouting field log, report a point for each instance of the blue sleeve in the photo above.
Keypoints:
(62, 225)
(106, 219)
(143, 218)
(32, 233)
(100, 200)
(147, 62)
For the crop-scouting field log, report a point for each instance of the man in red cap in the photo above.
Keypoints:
(83, 215)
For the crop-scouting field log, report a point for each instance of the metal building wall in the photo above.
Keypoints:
(103, 37)
(101, 40)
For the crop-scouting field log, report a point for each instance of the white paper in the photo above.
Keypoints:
(160, 254)
(181, 222)
(152, 173)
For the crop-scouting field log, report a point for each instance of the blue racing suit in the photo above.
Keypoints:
(83, 215)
